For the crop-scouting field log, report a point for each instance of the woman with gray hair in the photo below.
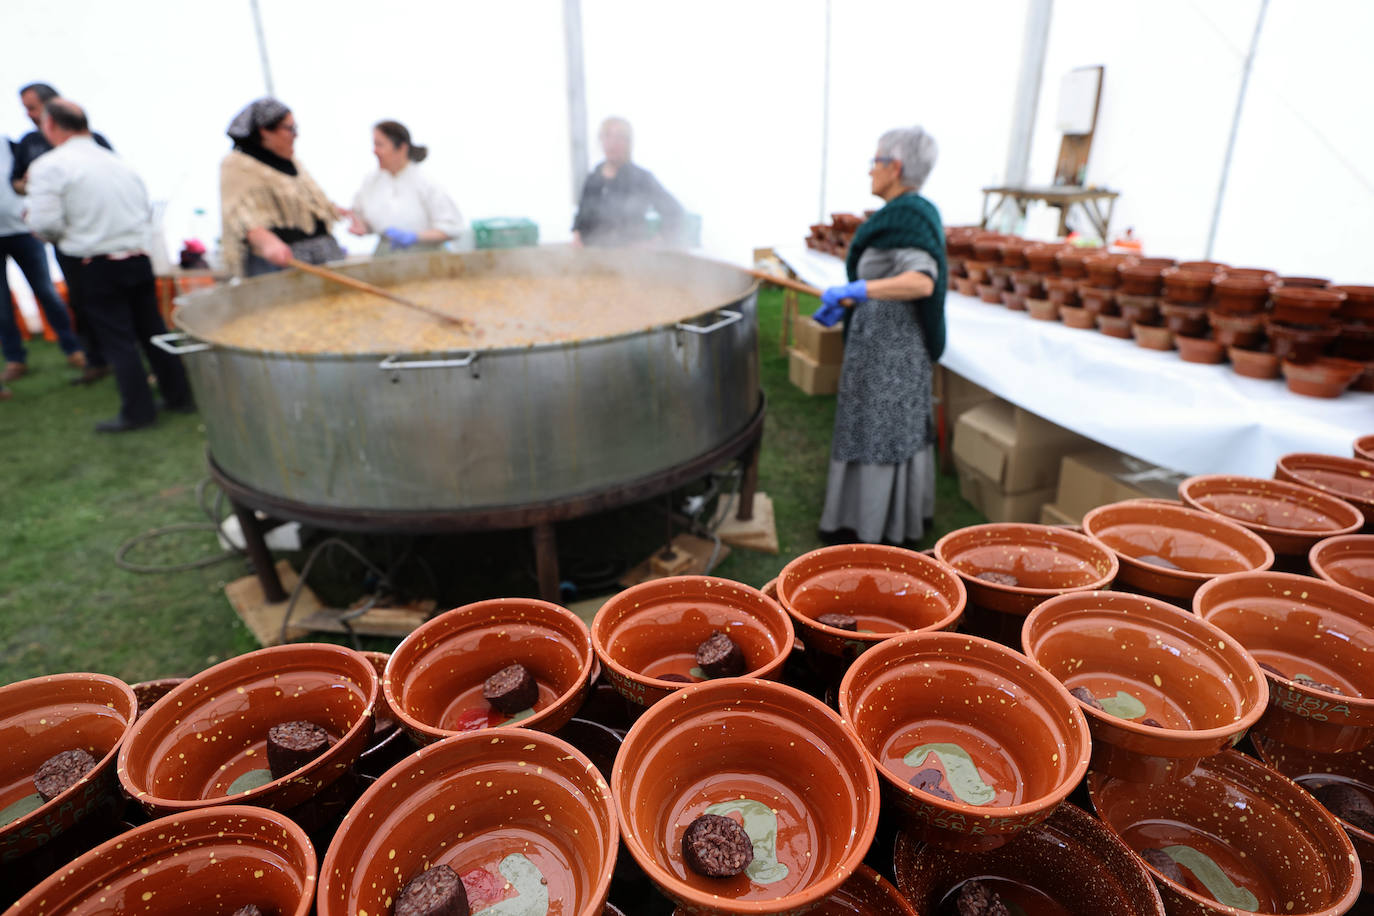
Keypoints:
(881, 485)
(272, 210)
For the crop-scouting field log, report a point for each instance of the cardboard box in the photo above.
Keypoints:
(988, 498)
(1050, 514)
(810, 376)
(958, 395)
(1013, 447)
(822, 344)
(1096, 477)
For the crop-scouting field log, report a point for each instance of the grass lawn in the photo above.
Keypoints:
(69, 498)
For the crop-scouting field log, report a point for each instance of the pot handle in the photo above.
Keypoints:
(168, 344)
(392, 362)
(731, 317)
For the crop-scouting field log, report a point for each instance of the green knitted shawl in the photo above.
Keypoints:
(909, 221)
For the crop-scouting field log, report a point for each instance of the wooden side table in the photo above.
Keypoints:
(1064, 198)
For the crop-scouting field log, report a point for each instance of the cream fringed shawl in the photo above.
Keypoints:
(255, 195)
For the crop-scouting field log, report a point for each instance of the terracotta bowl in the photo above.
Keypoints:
(1253, 363)
(654, 628)
(1044, 257)
(1028, 282)
(1114, 326)
(1358, 304)
(1071, 262)
(1199, 350)
(1142, 309)
(1291, 517)
(1014, 301)
(1014, 253)
(989, 248)
(513, 811)
(1069, 864)
(1240, 295)
(1077, 317)
(1045, 560)
(210, 861)
(149, 692)
(1242, 832)
(1103, 269)
(1186, 320)
(1142, 279)
(779, 758)
(1153, 338)
(1305, 305)
(1356, 342)
(965, 286)
(1186, 287)
(1199, 545)
(989, 293)
(977, 271)
(1346, 560)
(1043, 309)
(1236, 330)
(1269, 276)
(866, 893)
(1304, 282)
(1299, 344)
(1062, 290)
(889, 590)
(389, 742)
(933, 706)
(1206, 266)
(435, 676)
(1147, 660)
(1324, 377)
(1303, 630)
(205, 743)
(42, 717)
(1098, 300)
(1347, 478)
(1363, 448)
(1313, 771)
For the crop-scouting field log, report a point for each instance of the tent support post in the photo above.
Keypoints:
(1235, 128)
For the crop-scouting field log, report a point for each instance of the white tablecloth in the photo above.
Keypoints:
(1192, 418)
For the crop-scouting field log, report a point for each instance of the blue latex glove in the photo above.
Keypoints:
(828, 315)
(401, 238)
(858, 291)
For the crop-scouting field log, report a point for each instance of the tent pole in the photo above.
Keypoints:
(1235, 128)
(1033, 44)
(825, 120)
(577, 95)
(262, 48)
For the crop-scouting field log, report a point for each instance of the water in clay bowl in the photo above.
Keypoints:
(647, 636)
(523, 818)
(434, 678)
(1291, 517)
(972, 741)
(887, 590)
(766, 755)
(1309, 636)
(1236, 837)
(1170, 551)
(1166, 687)
(210, 861)
(45, 716)
(205, 742)
(1068, 865)
(1347, 561)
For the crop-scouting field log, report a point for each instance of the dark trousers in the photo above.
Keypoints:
(76, 298)
(29, 254)
(121, 299)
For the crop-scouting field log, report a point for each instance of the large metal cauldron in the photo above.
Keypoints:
(454, 431)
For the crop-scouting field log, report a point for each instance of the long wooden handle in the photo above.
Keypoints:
(784, 282)
(345, 280)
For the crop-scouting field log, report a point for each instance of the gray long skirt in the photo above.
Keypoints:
(881, 502)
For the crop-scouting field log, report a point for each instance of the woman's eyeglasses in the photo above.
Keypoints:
(291, 129)
(880, 160)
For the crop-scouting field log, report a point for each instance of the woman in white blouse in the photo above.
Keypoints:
(399, 202)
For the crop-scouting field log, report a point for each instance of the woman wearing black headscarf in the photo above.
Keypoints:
(272, 209)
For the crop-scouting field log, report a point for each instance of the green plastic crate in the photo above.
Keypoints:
(505, 232)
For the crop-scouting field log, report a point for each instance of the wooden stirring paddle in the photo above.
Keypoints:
(344, 280)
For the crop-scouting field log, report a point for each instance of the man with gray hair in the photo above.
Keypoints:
(95, 209)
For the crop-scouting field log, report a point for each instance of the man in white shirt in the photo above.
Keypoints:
(93, 207)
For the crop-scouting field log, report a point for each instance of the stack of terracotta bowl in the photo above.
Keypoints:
(1356, 342)
(1043, 260)
(1098, 292)
(990, 277)
(1138, 298)
(1063, 290)
(958, 249)
(835, 237)
(1187, 291)
(1302, 327)
(1013, 255)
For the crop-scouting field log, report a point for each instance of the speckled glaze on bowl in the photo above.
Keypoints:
(434, 678)
(1264, 835)
(1172, 667)
(1068, 865)
(1347, 560)
(866, 893)
(939, 701)
(514, 812)
(1046, 561)
(1300, 625)
(1363, 447)
(1290, 517)
(44, 716)
(1202, 545)
(807, 792)
(194, 744)
(1350, 479)
(889, 590)
(654, 628)
(210, 861)
(389, 742)
(1312, 770)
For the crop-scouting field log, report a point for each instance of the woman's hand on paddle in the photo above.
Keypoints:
(847, 295)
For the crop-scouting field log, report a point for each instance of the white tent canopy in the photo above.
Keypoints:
(728, 104)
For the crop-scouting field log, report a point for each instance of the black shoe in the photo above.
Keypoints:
(121, 425)
(188, 408)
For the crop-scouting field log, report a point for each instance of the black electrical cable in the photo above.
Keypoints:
(213, 524)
